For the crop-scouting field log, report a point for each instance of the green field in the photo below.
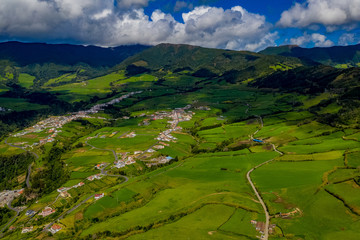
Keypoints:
(20, 104)
(203, 193)
(26, 80)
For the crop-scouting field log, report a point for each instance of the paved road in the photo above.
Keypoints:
(67, 212)
(123, 134)
(28, 184)
(103, 171)
(12, 219)
(267, 215)
(114, 153)
(274, 147)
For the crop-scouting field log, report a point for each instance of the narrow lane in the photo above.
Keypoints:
(28, 184)
(13, 218)
(267, 215)
(114, 153)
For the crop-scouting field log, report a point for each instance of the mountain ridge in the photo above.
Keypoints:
(66, 54)
(333, 56)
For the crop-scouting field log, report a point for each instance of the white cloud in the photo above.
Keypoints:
(346, 39)
(99, 22)
(319, 40)
(330, 13)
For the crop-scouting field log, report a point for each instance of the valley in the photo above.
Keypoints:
(174, 147)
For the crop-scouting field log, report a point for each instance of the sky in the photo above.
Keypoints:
(228, 24)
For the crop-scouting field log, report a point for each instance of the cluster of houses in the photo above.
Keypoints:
(126, 160)
(99, 107)
(64, 190)
(166, 136)
(177, 115)
(53, 229)
(8, 195)
(47, 211)
(2, 109)
(129, 135)
(100, 165)
(260, 227)
(55, 123)
(93, 177)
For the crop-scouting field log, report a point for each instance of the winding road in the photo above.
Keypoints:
(67, 212)
(113, 151)
(104, 172)
(267, 215)
(28, 184)
(13, 218)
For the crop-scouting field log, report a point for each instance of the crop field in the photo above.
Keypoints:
(349, 192)
(64, 78)
(202, 224)
(142, 141)
(203, 193)
(98, 86)
(240, 225)
(6, 149)
(100, 207)
(85, 159)
(86, 89)
(190, 188)
(26, 80)
(353, 159)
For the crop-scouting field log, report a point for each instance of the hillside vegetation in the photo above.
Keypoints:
(173, 139)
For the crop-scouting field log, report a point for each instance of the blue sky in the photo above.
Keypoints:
(232, 24)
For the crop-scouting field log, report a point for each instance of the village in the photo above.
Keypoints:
(8, 195)
(54, 124)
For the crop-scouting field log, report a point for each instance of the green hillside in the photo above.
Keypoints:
(200, 60)
(174, 142)
(337, 56)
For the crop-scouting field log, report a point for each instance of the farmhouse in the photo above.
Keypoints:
(30, 213)
(62, 189)
(27, 229)
(55, 228)
(47, 211)
(119, 164)
(98, 196)
(159, 146)
(80, 184)
(100, 165)
(65, 194)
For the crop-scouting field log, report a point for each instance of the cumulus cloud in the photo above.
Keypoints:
(330, 13)
(346, 39)
(319, 40)
(100, 22)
